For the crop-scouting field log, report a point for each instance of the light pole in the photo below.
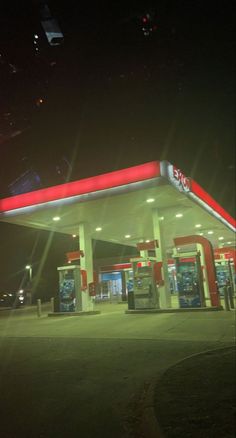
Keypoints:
(29, 268)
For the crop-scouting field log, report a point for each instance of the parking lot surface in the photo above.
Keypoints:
(84, 376)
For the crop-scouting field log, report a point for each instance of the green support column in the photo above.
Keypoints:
(86, 262)
(164, 290)
(204, 272)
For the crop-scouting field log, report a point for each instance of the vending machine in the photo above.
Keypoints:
(190, 281)
(70, 291)
(145, 292)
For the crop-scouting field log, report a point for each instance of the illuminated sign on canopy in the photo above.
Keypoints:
(178, 179)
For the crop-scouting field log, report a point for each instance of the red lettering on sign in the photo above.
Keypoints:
(181, 178)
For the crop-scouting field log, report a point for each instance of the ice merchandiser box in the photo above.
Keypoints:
(70, 299)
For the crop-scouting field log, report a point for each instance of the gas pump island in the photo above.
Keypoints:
(190, 281)
(145, 293)
(70, 294)
(72, 291)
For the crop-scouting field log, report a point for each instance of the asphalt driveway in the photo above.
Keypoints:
(84, 376)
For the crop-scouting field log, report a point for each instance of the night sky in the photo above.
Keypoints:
(132, 82)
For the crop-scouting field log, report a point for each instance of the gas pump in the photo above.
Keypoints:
(70, 289)
(145, 293)
(189, 280)
(225, 274)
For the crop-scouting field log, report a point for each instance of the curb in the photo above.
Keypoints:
(90, 312)
(149, 423)
(175, 310)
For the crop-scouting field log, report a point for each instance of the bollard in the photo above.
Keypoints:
(230, 296)
(226, 298)
(52, 305)
(39, 310)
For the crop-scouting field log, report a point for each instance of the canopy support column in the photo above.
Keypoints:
(86, 262)
(204, 271)
(164, 289)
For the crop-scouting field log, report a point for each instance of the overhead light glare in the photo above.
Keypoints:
(74, 235)
(149, 200)
(179, 215)
(127, 236)
(229, 243)
(161, 218)
(56, 218)
(147, 241)
(210, 232)
(98, 229)
(221, 238)
(198, 226)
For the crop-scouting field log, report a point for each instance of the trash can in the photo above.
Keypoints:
(131, 300)
(56, 304)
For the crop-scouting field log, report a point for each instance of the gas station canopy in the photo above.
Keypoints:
(118, 205)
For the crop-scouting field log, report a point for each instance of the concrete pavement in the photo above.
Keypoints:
(114, 323)
(73, 376)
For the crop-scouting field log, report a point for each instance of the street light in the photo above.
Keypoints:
(29, 268)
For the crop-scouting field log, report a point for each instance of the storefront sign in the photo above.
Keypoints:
(180, 181)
